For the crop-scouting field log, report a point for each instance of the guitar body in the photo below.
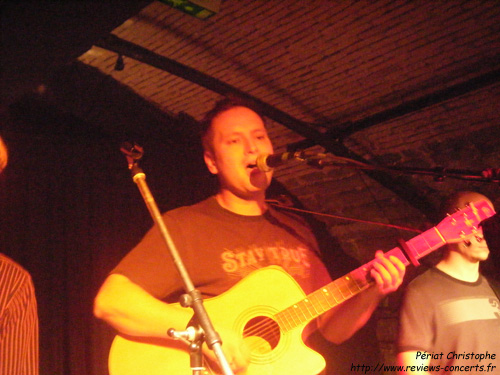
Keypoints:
(249, 304)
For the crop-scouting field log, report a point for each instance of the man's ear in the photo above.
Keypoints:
(210, 162)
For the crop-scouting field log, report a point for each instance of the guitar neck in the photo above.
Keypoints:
(340, 290)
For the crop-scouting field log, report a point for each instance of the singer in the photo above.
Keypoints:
(222, 241)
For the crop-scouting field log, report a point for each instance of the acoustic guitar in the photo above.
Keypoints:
(269, 310)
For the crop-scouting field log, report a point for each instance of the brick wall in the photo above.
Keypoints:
(460, 134)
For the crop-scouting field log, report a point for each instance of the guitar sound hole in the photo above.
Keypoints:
(262, 334)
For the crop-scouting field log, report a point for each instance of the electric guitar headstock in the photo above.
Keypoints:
(465, 222)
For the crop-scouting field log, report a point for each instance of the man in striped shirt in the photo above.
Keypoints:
(18, 313)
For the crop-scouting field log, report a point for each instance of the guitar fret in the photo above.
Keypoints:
(412, 247)
(317, 303)
(293, 315)
(283, 321)
(428, 241)
(325, 293)
(314, 305)
(307, 303)
(336, 292)
(360, 277)
(344, 289)
(303, 309)
(299, 311)
(352, 279)
(290, 318)
(354, 283)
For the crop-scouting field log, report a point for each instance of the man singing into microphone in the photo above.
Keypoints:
(223, 239)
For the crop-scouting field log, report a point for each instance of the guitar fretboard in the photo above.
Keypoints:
(340, 290)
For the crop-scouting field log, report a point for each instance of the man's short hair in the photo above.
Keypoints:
(458, 201)
(220, 107)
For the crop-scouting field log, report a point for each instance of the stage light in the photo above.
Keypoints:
(202, 9)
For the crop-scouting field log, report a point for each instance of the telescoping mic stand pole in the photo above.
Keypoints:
(193, 335)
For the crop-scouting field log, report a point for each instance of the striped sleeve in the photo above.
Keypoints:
(18, 321)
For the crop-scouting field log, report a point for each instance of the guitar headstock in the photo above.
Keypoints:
(464, 223)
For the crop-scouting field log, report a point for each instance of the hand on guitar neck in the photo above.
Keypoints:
(388, 273)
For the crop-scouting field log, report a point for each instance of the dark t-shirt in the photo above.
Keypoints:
(219, 248)
(459, 319)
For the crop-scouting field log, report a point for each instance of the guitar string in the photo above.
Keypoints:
(270, 330)
(270, 327)
(332, 296)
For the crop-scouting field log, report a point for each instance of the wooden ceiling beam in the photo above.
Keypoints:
(342, 131)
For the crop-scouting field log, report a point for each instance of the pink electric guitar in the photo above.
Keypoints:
(270, 310)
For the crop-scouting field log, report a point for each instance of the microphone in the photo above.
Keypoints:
(266, 162)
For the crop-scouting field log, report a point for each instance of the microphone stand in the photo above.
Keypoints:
(321, 160)
(193, 336)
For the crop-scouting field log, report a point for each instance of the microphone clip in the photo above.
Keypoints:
(133, 152)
